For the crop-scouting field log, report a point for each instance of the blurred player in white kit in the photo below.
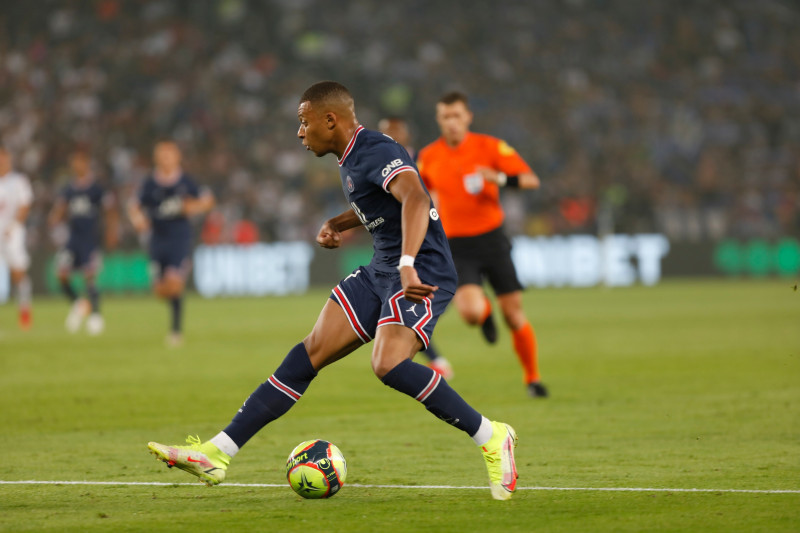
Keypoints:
(16, 197)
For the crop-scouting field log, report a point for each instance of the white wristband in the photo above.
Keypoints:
(405, 261)
(502, 179)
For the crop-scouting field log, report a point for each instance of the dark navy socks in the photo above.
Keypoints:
(430, 389)
(273, 397)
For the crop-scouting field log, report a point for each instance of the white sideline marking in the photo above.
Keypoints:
(440, 487)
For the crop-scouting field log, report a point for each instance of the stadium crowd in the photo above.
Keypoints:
(679, 117)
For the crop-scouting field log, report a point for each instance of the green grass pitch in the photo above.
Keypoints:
(685, 385)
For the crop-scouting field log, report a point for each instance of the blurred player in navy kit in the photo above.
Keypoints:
(163, 206)
(81, 202)
(397, 129)
(395, 300)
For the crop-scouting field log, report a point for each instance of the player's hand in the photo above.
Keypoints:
(489, 174)
(413, 289)
(140, 225)
(328, 236)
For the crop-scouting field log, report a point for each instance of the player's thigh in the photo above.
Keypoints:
(499, 267)
(404, 327)
(91, 262)
(393, 344)
(13, 251)
(511, 307)
(331, 338)
(171, 266)
(65, 258)
(470, 301)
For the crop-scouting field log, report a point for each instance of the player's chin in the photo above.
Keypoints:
(315, 152)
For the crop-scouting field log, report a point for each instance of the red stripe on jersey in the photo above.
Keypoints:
(350, 145)
(394, 173)
(351, 315)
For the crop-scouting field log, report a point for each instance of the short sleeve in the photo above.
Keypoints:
(508, 160)
(25, 191)
(390, 160)
(421, 167)
(192, 189)
(143, 193)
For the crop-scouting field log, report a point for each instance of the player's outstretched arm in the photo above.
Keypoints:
(524, 180)
(57, 213)
(330, 234)
(200, 205)
(22, 213)
(407, 189)
(137, 217)
(20, 217)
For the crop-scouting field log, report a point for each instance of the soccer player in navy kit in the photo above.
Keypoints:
(163, 206)
(397, 129)
(395, 300)
(81, 202)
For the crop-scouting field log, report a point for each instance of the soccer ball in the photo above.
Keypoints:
(316, 469)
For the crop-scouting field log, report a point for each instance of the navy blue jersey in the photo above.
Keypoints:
(368, 165)
(84, 205)
(164, 206)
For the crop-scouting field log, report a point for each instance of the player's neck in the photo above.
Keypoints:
(454, 142)
(343, 140)
(167, 177)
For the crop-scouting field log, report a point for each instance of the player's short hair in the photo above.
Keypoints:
(454, 96)
(81, 151)
(166, 140)
(325, 92)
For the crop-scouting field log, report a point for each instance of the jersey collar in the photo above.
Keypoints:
(350, 145)
(463, 142)
(167, 180)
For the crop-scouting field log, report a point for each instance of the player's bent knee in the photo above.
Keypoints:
(170, 286)
(472, 318)
(382, 365)
(472, 315)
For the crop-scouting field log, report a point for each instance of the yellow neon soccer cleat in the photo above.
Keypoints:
(499, 456)
(203, 460)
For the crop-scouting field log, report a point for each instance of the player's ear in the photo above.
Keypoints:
(330, 120)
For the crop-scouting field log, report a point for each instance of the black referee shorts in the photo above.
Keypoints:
(486, 256)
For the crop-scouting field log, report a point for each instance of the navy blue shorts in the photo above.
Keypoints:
(372, 299)
(169, 256)
(78, 257)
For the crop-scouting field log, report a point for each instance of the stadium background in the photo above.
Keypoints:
(671, 118)
(673, 408)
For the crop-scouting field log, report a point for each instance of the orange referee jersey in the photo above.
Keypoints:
(468, 204)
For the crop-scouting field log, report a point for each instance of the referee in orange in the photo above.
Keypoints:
(464, 172)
